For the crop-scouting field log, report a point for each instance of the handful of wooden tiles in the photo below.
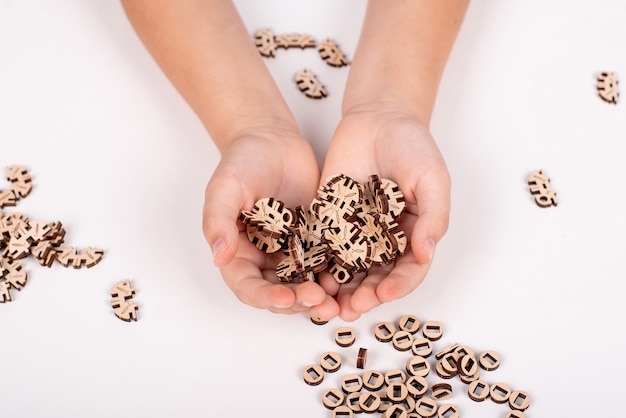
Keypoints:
(348, 228)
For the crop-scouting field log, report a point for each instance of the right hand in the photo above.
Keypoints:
(261, 163)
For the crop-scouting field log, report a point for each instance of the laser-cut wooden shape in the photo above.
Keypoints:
(17, 173)
(361, 358)
(14, 275)
(17, 248)
(123, 307)
(383, 331)
(519, 400)
(66, 256)
(607, 87)
(44, 252)
(126, 310)
(382, 244)
(7, 198)
(309, 84)
(489, 360)
(344, 336)
(37, 230)
(540, 187)
(332, 398)
(330, 362)
(265, 42)
(313, 374)
(441, 391)
(294, 40)
(331, 54)
(91, 256)
(5, 293)
(448, 411)
(478, 391)
(349, 248)
(308, 227)
(394, 196)
(351, 383)
(500, 392)
(271, 218)
(373, 380)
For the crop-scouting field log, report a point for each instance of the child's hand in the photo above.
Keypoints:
(266, 163)
(394, 145)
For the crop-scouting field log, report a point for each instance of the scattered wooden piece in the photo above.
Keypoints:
(313, 375)
(395, 375)
(352, 402)
(500, 392)
(344, 337)
(384, 331)
(330, 362)
(121, 301)
(417, 366)
(397, 392)
(294, 40)
(426, 407)
(343, 412)
(409, 323)
(422, 347)
(448, 411)
(402, 340)
(417, 386)
(318, 321)
(361, 358)
(332, 398)
(396, 411)
(489, 360)
(351, 383)
(607, 87)
(441, 391)
(369, 402)
(331, 54)
(432, 330)
(478, 391)
(309, 84)
(519, 400)
(373, 380)
(265, 42)
(542, 190)
(515, 414)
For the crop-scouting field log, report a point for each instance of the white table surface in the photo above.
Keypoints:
(119, 158)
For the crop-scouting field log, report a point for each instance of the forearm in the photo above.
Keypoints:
(205, 50)
(401, 55)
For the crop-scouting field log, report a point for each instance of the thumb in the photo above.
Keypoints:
(223, 201)
(433, 215)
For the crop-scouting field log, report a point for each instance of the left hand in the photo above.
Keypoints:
(394, 144)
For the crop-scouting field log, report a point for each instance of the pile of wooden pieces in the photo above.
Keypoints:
(406, 391)
(348, 228)
(21, 237)
(267, 43)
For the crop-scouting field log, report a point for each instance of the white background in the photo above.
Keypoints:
(120, 159)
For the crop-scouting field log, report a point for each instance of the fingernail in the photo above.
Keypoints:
(305, 304)
(218, 246)
(429, 247)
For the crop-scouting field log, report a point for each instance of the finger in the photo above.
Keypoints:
(328, 283)
(365, 298)
(432, 194)
(247, 283)
(325, 311)
(344, 299)
(222, 204)
(406, 276)
(308, 294)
